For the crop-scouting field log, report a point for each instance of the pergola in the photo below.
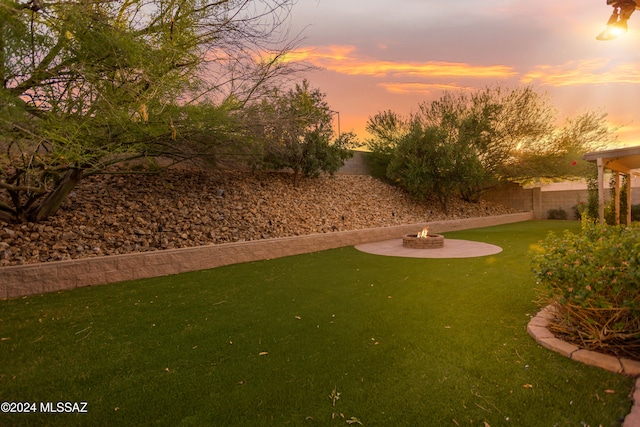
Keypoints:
(622, 161)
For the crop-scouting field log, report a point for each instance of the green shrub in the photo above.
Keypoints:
(557, 214)
(635, 212)
(610, 214)
(582, 209)
(378, 163)
(579, 210)
(426, 163)
(593, 280)
(610, 207)
(593, 201)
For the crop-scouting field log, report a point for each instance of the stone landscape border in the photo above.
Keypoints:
(537, 328)
(31, 279)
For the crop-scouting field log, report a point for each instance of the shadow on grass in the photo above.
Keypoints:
(402, 342)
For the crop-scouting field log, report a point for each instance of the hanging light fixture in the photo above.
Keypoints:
(617, 24)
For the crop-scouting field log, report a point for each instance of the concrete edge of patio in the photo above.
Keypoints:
(30, 279)
(537, 328)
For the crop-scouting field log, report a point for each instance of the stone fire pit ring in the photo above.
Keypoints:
(432, 241)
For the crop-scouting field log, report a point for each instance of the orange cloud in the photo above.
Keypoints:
(344, 60)
(415, 87)
(320, 55)
(588, 72)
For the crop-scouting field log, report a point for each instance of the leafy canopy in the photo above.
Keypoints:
(86, 85)
(295, 130)
(487, 137)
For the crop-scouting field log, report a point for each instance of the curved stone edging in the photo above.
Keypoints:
(537, 328)
(39, 278)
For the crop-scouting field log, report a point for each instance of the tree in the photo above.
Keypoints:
(294, 130)
(386, 129)
(493, 123)
(426, 163)
(88, 85)
(496, 135)
(558, 155)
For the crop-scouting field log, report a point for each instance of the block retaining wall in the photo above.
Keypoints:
(541, 202)
(33, 279)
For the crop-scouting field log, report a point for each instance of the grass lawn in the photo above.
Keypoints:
(320, 339)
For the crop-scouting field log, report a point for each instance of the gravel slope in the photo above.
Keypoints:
(122, 214)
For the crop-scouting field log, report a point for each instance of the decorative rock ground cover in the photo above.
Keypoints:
(121, 214)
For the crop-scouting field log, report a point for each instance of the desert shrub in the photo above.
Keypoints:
(557, 214)
(593, 280)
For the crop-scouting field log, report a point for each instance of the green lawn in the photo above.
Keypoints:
(403, 341)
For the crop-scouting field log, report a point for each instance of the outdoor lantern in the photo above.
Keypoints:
(617, 24)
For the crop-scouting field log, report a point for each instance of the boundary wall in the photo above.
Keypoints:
(540, 201)
(356, 165)
(30, 279)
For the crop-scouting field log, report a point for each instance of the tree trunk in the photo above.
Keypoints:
(52, 203)
(296, 177)
(6, 214)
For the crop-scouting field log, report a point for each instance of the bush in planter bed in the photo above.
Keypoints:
(593, 280)
(557, 214)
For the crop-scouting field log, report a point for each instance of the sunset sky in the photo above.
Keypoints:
(378, 55)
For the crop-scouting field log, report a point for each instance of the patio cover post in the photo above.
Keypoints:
(629, 199)
(617, 200)
(621, 161)
(600, 164)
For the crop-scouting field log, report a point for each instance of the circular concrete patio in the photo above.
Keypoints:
(453, 248)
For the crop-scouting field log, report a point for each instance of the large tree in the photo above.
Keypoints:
(492, 135)
(89, 84)
(492, 124)
(558, 155)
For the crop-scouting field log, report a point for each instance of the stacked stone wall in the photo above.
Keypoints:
(45, 277)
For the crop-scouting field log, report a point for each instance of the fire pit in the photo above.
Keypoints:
(423, 240)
